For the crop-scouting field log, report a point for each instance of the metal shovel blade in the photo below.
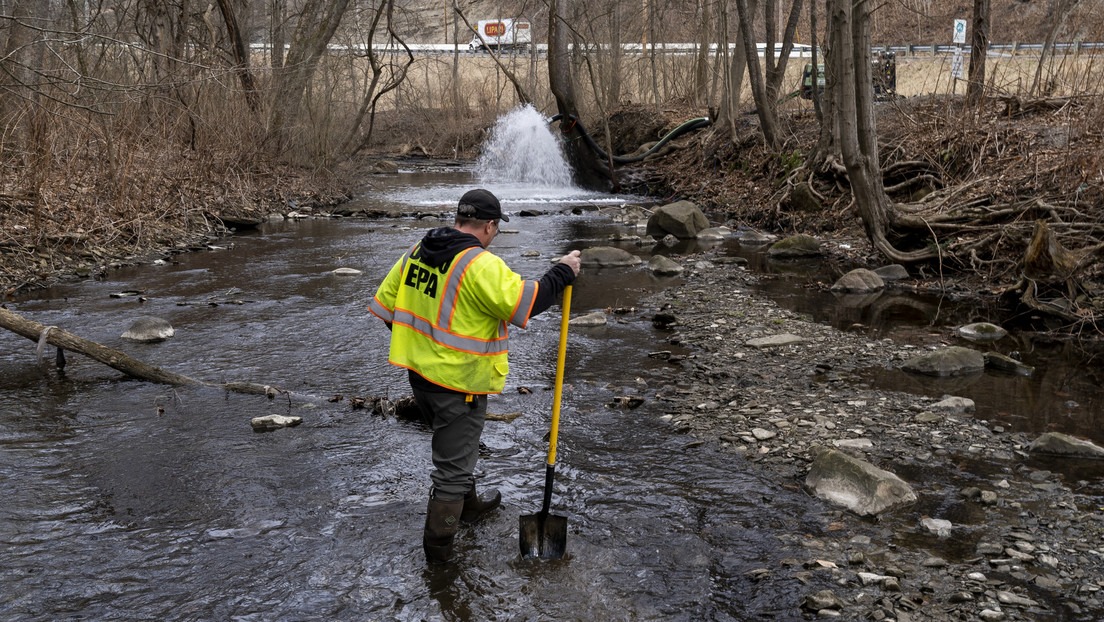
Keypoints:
(543, 535)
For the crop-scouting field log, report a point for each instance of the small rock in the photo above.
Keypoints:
(714, 234)
(608, 257)
(591, 319)
(961, 597)
(1010, 598)
(761, 435)
(870, 578)
(981, 332)
(149, 329)
(938, 526)
(853, 443)
(824, 599)
(928, 417)
(751, 237)
(274, 422)
(954, 405)
(784, 339)
(950, 361)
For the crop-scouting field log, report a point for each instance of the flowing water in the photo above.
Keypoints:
(126, 500)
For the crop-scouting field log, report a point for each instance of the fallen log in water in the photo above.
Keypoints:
(64, 340)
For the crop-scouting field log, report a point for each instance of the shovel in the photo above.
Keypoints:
(543, 534)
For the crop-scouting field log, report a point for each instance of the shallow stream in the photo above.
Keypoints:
(128, 500)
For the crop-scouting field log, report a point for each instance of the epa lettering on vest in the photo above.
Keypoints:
(422, 280)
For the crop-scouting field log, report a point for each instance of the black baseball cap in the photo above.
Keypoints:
(480, 204)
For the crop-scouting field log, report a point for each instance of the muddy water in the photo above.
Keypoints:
(127, 500)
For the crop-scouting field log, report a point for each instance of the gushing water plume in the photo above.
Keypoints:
(523, 149)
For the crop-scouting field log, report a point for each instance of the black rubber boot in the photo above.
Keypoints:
(476, 508)
(442, 521)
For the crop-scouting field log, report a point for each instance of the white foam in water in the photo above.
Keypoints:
(523, 150)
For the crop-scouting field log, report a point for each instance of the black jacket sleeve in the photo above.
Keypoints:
(552, 284)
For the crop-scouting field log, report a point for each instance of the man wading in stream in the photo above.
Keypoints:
(447, 302)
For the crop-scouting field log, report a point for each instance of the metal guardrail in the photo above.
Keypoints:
(1008, 48)
(798, 51)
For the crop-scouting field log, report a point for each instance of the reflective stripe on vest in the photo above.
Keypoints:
(440, 331)
(382, 312)
(525, 305)
(449, 339)
(376, 307)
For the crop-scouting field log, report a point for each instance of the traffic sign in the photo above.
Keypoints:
(960, 31)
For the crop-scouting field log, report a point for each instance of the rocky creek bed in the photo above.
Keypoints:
(991, 536)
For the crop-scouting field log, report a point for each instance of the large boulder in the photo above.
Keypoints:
(1066, 445)
(682, 219)
(856, 484)
(892, 272)
(859, 281)
(608, 257)
(149, 329)
(952, 361)
(664, 266)
(1005, 363)
(795, 246)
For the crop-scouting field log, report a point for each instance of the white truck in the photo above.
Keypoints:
(501, 34)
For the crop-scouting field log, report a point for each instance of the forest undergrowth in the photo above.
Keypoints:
(987, 180)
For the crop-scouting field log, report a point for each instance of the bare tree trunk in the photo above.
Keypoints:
(849, 57)
(589, 171)
(826, 154)
(701, 61)
(1061, 12)
(240, 50)
(651, 38)
(732, 75)
(766, 109)
(277, 30)
(23, 118)
(616, 57)
(776, 67)
(318, 22)
(377, 87)
(979, 47)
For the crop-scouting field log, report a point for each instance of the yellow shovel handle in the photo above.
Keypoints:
(561, 356)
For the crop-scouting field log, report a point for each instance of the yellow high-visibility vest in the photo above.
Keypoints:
(450, 325)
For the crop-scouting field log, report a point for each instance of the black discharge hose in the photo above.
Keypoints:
(688, 126)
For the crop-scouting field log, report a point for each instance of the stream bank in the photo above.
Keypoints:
(1026, 540)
